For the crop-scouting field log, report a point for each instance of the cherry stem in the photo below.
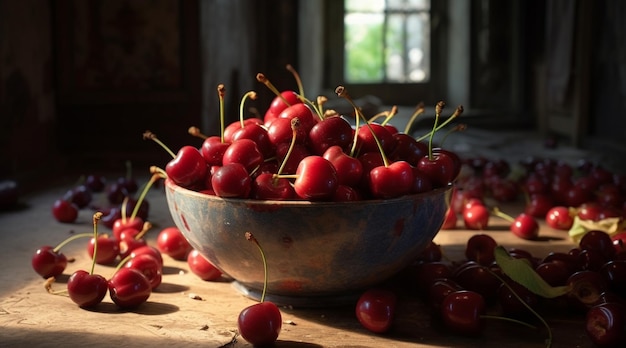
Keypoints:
(457, 128)
(143, 194)
(549, 339)
(261, 78)
(497, 212)
(250, 237)
(341, 91)
(96, 218)
(158, 171)
(249, 94)
(458, 111)
(438, 109)
(123, 209)
(419, 110)
(296, 76)
(122, 263)
(195, 131)
(321, 100)
(153, 137)
(390, 115)
(70, 239)
(295, 124)
(145, 228)
(509, 320)
(221, 91)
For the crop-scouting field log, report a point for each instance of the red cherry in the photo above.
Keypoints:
(367, 143)
(391, 181)
(149, 250)
(173, 243)
(375, 309)
(559, 218)
(480, 248)
(188, 168)
(345, 193)
(108, 249)
(48, 263)
(349, 169)
(278, 105)
(407, 149)
(129, 288)
(149, 266)
(316, 179)
(201, 267)
(231, 180)
(476, 217)
(605, 324)
(268, 186)
(525, 226)
(80, 195)
(461, 312)
(64, 211)
(260, 323)
(86, 290)
(332, 131)
(245, 152)
(440, 168)
(122, 224)
(258, 134)
(213, 149)
(449, 223)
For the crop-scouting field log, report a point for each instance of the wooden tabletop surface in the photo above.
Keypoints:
(188, 312)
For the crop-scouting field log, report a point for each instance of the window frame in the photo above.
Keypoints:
(406, 94)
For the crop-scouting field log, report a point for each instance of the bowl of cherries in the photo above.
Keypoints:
(338, 205)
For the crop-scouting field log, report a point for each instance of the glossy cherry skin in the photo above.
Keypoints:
(598, 241)
(349, 169)
(48, 263)
(173, 243)
(80, 195)
(525, 226)
(108, 249)
(605, 324)
(376, 308)
(316, 179)
(231, 180)
(278, 105)
(440, 168)
(268, 187)
(149, 266)
(128, 243)
(461, 312)
(213, 149)
(391, 181)
(476, 217)
(149, 250)
(122, 224)
(188, 168)
(332, 131)
(201, 267)
(449, 223)
(86, 290)
(478, 278)
(345, 193)
(480, 248)
(367, 143)
(258, 134)
(260, 323)
(129, 288)
(96, 183)
(407, 149)
(245, 152)
(559, 218)
(64, 211)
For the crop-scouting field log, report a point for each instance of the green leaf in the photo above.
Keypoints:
(521, 272)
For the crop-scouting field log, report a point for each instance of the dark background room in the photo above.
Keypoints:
(81, 81)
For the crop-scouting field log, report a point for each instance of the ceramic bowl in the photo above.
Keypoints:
(314, 250)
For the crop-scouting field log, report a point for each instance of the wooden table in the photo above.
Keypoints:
(189, 312)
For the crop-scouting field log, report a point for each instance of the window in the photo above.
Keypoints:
(391, 49)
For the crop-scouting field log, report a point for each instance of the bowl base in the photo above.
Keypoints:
(347, 299)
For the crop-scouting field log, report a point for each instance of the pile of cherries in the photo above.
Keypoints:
(463, 296)
(137, 265)
(66, 208)
(554, 191)
(299, 151)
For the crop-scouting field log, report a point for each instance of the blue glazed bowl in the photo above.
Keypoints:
(314, 250)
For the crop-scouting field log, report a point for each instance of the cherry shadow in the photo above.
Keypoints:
(169, 288)
(146, 308)
(171, 270)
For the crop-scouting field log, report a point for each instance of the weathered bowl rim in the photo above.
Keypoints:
(305, 203)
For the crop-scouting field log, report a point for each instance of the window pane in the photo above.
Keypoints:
(387, 41)
(363, 47)
(364, 6)
(418, 47)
